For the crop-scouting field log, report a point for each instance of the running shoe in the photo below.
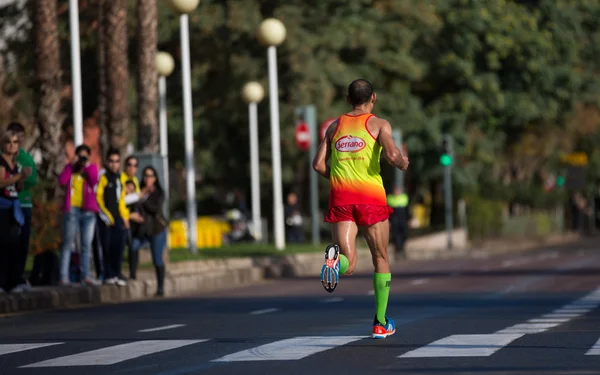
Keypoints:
(381, 331)
(330, 273)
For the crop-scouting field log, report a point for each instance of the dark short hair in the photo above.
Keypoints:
(129, 182)
(360, 91)
(16, 127)
(112, 151)
(85, 148)
(130, 158)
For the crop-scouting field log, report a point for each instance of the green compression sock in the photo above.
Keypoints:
(343, 264)
(381, 286)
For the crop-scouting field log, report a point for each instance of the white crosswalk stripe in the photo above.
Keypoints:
(595, 349)
(482, 345)
(115, 354)
(15, 348)
(290, 349)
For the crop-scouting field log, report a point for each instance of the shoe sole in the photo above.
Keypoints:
(383, 336)
(329, 275)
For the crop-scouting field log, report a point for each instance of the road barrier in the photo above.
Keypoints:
(210, 232)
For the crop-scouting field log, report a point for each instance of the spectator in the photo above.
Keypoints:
(131, 200)
(12, 180)
(24, 159)
(131, 166)
(79, 178)
(153, 225)
(293, 219)
(114, 218)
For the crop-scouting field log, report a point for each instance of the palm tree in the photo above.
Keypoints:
(47, 88)
(117, 73)
(148, 137)
(102, 80)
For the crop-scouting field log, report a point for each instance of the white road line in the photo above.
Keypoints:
(594, 350)
(464, 346)
(570, 316)
(289, 349)
(419, 281)
(264, 311)
(115, 354)
(162, 328)
(15, 348)
(574, 311)
(529, 327)
(549, 320)
(332, 300)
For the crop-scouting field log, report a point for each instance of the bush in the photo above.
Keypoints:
(46, 229)
(484, 217)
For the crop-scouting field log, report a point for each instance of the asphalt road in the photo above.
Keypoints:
(531, 313)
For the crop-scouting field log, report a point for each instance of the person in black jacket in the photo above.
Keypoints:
(153, 225)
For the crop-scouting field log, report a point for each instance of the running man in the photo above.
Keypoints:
(357, 198)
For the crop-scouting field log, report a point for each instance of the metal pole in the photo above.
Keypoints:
(76, 72)
(398, 174)
(189, 133)
(254, 171)
(311, 121)
(278, 220)
(448, 192)
(164, 145)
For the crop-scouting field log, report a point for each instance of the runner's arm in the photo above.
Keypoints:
(391, 152)
(324, 152)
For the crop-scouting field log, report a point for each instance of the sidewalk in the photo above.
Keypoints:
(205, 275)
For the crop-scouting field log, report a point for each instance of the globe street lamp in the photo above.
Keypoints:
(271, 33)
(253, 93)
(183, 7)
(164, 66)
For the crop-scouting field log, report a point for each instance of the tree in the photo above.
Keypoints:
(47, 89)
(101, 50)
(117, 74)
(148, 134)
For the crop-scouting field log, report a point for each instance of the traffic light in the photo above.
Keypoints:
(446, 156)
(560, 181)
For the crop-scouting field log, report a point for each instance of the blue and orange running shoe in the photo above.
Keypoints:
(330, 273)
(381, 331)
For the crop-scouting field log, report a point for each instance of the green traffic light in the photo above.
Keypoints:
(560, 181)
(446, 160)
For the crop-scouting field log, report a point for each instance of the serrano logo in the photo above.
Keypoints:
(349, 143)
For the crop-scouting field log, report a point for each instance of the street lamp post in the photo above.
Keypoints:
(183, 8)
(76, 72)
(253, 93)
(164, 66)
(271, 33)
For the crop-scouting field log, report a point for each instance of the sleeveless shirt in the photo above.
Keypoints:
(355, 170)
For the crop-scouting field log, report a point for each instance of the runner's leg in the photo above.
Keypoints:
(344, 235)
(377, 236)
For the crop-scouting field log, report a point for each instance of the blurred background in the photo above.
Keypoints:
(512, 86)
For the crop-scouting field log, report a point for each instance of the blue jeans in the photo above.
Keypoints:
(74, 222)
(157, 246)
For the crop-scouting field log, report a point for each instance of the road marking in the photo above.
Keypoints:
(464, 346)
(481, 345)
(15, 348)
(529, 327)
(289, 349)
(264, 311)
(419, 281)
(549, 320)
(332, 300)
(594, 350)
(162, 328)
(115, 354)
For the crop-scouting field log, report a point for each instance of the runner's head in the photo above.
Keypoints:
(360, 93)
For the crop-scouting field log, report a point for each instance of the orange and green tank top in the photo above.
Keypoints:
(355, 156)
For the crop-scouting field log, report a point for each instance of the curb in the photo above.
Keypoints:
(209, 275)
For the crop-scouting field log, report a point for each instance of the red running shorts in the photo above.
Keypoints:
(361, 214)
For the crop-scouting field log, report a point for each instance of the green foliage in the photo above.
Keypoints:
(485, 218)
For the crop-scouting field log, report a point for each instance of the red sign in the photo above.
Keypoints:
(325, 125)
(302, 137)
